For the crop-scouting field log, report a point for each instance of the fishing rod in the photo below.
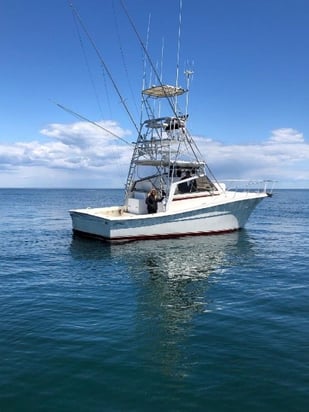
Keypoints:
(79, 116)
(76, 14)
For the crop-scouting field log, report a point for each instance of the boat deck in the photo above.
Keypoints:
(179, 203)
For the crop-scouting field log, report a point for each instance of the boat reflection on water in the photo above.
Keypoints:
(173, 281)
(186, 259)
(174, 275)
(169, 282)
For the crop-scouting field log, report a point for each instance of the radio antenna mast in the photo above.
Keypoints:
(178, 49)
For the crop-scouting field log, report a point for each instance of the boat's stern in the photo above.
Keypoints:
(95, 222)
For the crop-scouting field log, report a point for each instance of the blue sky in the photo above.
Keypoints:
(249, 98)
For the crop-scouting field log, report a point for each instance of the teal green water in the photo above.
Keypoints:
(215, 323)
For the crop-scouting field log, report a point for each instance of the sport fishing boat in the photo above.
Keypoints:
(167, 159)
(189, 200)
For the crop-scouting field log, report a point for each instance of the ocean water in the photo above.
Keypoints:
(216, 323)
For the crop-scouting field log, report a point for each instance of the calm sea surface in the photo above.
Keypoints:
(215, 323)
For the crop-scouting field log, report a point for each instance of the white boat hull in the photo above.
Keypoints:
(215, 214)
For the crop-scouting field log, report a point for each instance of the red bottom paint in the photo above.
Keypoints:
(152, 237)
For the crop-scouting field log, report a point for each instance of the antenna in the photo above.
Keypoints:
(172, 106)
(178, 42)
(178, 50)
(189, 75)
(162, 56)
(145, 59)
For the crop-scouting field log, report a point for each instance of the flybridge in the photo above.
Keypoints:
(168, 123)
(164, 91)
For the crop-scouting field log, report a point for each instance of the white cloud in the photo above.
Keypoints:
(72, 146)
(83, 155)
(85, 134)
(284, 156)
(286, 135)
(79, 154)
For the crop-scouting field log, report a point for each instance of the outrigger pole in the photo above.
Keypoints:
(79, 116)
(75, 13)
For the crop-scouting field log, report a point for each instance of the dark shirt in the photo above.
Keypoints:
(152, 203)
(187, 187)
